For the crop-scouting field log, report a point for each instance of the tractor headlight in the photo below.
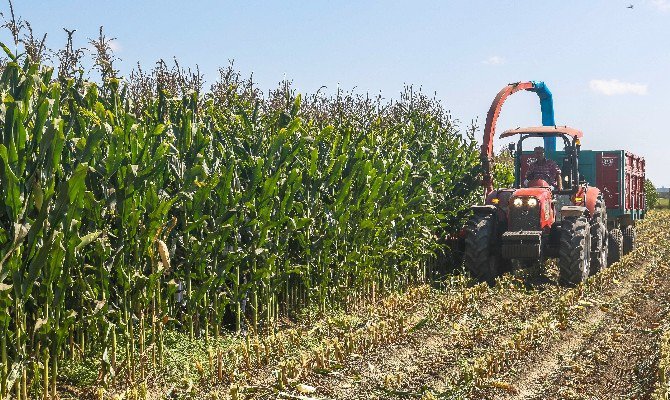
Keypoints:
(518, 202)
(532, 202)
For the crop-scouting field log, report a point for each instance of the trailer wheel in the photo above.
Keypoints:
(628, 239)
(615, 245)
(481, 260)
(574, 252)
(598, 237)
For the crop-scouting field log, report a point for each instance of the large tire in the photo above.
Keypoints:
(598, 237)
(574, 252)
(615, 246)
(481, 260)
(628, 239)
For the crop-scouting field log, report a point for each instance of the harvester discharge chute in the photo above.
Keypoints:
(546, 107)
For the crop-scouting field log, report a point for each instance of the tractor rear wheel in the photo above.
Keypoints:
(481, 260)
(574, 251)
(598, 237)
(615, 244)
(628, 239)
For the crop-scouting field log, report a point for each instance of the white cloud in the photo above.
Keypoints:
(614, 86)
(495, 60)
(662, 5)
(115, 46)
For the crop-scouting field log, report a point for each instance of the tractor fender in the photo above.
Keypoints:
(590, 199)
(573, 211)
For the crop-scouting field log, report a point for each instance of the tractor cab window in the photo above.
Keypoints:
(564, 160)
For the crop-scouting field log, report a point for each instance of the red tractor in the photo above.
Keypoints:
(533, 221)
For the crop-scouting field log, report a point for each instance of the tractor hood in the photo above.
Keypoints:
(530, 209)
(538, 192)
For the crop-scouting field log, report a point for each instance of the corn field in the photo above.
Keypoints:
(130, 209)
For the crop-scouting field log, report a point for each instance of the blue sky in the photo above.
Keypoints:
(608, 66)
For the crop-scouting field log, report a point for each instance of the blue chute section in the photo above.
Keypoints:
(547, 108)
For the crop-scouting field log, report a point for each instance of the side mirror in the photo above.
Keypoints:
(511, 147)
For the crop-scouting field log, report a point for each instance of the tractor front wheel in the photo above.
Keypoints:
(615, 244)
(574, 251)
(598, 237)
(482, 261)
(628, 239)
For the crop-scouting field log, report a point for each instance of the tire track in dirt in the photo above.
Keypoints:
(538, 333)
(418, 315)
(551, 358)
(368, 370)
(415, 361)
(448, 381)
(409, 307)
(616, 361)
(546, 363)
(433, 357)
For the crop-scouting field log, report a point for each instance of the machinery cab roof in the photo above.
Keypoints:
(541, 131)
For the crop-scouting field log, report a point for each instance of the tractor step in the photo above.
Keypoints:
(522, 244)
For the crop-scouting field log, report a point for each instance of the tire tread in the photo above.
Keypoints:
(628, 239)
(479, 237)
(575, 240)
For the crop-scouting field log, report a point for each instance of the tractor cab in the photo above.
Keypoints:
(569, 164)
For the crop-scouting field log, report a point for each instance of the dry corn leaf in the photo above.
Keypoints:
(508, 387)
(165, 255)
(302, 388)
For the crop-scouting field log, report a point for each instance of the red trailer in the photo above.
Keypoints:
(620, 176)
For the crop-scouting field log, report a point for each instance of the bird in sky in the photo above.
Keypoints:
(630, 6)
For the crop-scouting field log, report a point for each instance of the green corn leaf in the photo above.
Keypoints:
(10, 186)
(9, 53)
(76, 185)
(36, 265)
